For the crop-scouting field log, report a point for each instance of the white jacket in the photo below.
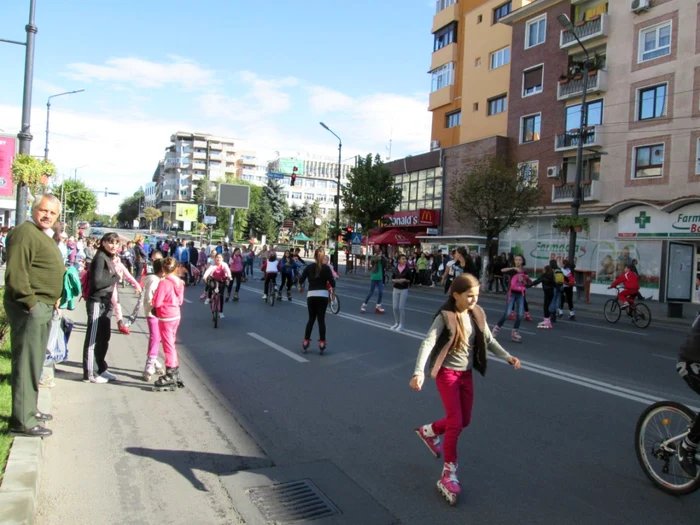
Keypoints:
(150, 284)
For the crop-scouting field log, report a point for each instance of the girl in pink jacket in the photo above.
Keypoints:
(167, 301)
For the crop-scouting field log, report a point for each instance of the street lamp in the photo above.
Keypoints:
(337, 196)
(75, 171)
(576, 202)
(48, 110)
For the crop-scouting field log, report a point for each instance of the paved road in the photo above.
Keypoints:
(552, 443)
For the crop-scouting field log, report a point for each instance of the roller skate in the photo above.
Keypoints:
(235, 297)
(495, 330)
(321, 346)
(427, 436)
(378, 309)
(289, 295)
(515, 336)
(572, 316)
(546, 324)
(169, 382)
(123, 328)
(305, 345)
(448, 484)
(528, 317)
(363, 308)
(511, 316)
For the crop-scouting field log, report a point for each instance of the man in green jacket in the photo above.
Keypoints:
(33, 285)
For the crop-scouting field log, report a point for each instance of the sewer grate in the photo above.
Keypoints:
(291, 501)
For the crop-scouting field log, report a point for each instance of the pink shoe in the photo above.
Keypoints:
(203, 296)
(427, 436)
(378, 309)
(528, 317)
(511, 317)
(448, 484)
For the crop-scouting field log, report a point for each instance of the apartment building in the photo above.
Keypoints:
(640, 170)
(317, 177)
(150, 191)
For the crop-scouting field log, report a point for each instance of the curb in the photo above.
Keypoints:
(20, 486)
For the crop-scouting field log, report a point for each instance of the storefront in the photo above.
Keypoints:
(626, 232)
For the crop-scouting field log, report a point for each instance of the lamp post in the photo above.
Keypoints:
(576, 203)
(48, 110)
(75, 171)
(337, 196)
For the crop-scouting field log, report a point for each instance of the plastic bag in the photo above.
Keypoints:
(59, 334)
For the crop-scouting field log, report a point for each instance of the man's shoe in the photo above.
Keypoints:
(40, 416)
(37, 431)
(686, 458)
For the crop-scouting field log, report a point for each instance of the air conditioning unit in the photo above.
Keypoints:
(553, 172)
(434, 144)
(639, 6)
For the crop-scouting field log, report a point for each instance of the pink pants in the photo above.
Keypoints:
(153, 337)
(115, 305)
(168, 334)
(457, 392)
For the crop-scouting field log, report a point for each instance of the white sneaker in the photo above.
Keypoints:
(394, 327)
(264, 297)
(399, 328)
(97, 379)
(108, 376)
(221, 315)
(207, 301)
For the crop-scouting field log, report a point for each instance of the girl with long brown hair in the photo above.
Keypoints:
(455, 345)
(320, 277)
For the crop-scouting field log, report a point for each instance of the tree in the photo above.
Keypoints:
(151, 214)
(78, 198)
(129, 208)
(370, 193)
(275, 201)
(492, 195)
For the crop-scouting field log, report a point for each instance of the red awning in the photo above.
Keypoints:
(394, 238)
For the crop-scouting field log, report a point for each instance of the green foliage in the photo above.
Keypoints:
(129, 208)
(370, 193)
(491, 195)
(30, 171)
(77, 197)
(275, 201)
(568, 222)
(5, 388)
(151, 214)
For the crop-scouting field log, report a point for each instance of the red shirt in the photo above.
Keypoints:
(629, 279)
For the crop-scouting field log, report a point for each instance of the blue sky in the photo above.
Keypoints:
(263, 72)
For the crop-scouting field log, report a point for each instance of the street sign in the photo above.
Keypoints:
(432, 231)
(209, 219)
(356, 249)
(356, 238)
(273, 175)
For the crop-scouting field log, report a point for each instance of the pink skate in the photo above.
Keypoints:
(448, 484)
(427, 436)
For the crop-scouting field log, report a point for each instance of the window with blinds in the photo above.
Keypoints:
(532, 81)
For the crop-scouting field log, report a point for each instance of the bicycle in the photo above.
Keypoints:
(215, 313)
(637, 311)
(660, 430)
(333, 300)
(270, 292)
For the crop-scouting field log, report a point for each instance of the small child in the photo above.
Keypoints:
(150, 284)
(123, 273)
(516, 298)
(271, 269)
(631, 285)
(456, 344)
(167, 300)
(327, 261)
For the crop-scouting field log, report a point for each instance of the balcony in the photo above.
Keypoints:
(590, 191)
(441, 97)
(216, 146)
(445, 16)
(200, 144)
(215, 156)
(199, 155)
(569, 140)
(590, 29)
(597, 83)
(199, 166)
(444, 56)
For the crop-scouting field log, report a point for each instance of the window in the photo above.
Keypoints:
(529, 172)
(453, 120)
(655, 42)
(501, 11)
(479, 19)
(445, 36)
(443, 77)
(498, 105)
(648, 161)
(652, 102)
(443, 4)
(532, 81)
(535, 32)
(475, 106)
(477, 62)
(296, 195)
(594, 116)
(590, 171)
(309, 196)
(500, 58)
(530, 129)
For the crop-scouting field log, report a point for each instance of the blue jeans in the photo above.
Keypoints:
(375, 284)
(554, 305)
(519, 301)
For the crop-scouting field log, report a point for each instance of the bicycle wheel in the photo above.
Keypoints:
(215, 310)
(656, 450)
(271, 292)
(641, 316)
(334, 304)
(612, 310)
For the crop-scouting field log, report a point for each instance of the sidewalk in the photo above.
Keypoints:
(121, 453)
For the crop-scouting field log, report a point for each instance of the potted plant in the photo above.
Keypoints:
(565, 223)
(563, 79)
(31, 172)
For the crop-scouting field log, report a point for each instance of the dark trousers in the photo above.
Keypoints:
(97, 336)
(237, 276)
(138, 271)
(317, 310)
(288, 280)
(548, 296)
(568, 296)
(269, 277)
(29, 336)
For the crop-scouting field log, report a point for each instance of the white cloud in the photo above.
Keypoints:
(144, 73)
(323, 99)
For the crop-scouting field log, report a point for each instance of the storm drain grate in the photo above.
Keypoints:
(291, 501)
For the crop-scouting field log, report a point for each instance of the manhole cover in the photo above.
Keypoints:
(291, 501)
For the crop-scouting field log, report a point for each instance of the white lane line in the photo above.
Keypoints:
(665, 357)
(554, 373)
(277, 347)
(583, 340)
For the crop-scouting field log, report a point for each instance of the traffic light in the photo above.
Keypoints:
(347, 235)
(294, 176)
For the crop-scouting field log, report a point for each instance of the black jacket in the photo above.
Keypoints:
(317, 283)
(547, 280)
(139, 254)
(406, 274)
(690, 349)
(103, 276)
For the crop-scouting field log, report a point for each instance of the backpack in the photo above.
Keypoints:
(85, 284)
(570, 280)
(559, 277)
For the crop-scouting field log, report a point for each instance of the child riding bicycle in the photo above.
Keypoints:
(218, 273)
(689, 369)
(630, 280)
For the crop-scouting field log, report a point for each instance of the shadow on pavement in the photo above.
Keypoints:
(185, 462)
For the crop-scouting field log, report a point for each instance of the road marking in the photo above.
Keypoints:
(188, 301)
(665, 357)
(277, 347)
(583, 340)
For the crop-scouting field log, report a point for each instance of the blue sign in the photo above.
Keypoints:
(356, 238)
(273, 175)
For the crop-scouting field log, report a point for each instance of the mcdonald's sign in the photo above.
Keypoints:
(421, 217)
(426, 217)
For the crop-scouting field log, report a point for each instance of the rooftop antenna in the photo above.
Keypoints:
(391, 139)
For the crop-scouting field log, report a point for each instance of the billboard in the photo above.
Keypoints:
(186, 212)
(234, 196)
(287, 166)
(8, 148)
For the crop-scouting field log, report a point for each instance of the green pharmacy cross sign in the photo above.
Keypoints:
(642, 220)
